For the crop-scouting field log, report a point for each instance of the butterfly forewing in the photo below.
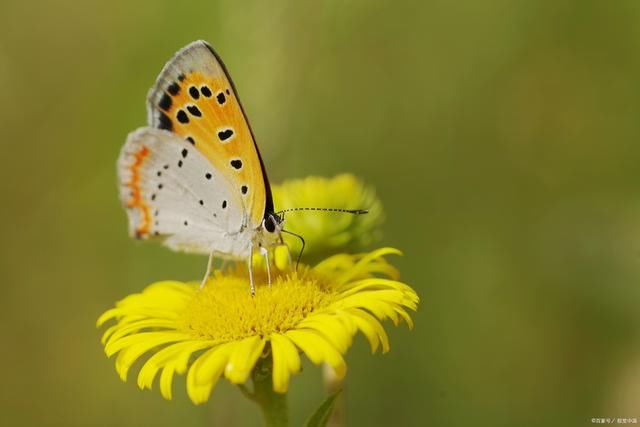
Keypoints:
(195, 99)
(166, 185)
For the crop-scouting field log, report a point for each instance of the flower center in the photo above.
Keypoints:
(224, 309)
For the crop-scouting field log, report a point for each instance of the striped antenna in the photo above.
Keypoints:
(280, 219)
(350, 211)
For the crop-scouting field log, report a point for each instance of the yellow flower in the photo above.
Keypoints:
(327, 232)
(222, 331)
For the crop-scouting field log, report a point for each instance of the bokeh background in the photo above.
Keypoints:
(502, 138)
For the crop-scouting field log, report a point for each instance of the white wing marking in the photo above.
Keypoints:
(181, 198)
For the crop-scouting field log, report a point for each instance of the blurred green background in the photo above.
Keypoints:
(502, 137)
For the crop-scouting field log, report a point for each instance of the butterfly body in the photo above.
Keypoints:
(194, 178)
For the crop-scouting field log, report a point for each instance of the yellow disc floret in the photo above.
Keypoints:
(224, 309)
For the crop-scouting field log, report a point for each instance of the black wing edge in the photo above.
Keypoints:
(268, 206)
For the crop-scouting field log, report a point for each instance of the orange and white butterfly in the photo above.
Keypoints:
(194, 178)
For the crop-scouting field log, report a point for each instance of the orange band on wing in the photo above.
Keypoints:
(201, 117)
(136, 194)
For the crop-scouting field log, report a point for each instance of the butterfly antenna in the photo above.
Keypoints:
(301, 250)
(349, 211)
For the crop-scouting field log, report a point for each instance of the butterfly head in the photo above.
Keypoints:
(269, 233)
(272, 223)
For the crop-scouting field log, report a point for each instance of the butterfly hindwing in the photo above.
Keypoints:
(194, 98)
(172, 192)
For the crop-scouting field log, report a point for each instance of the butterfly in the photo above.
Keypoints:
(193, 178)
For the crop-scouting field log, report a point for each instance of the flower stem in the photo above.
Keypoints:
(273, 405)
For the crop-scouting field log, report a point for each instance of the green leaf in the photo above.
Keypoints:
(321, 416)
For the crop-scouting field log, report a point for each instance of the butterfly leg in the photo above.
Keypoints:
(253, 289)
(265, 253)
(206, 275)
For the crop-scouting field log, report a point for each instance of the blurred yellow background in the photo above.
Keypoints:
(503, 140)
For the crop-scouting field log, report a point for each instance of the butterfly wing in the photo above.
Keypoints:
(173, 193)
(194, 98)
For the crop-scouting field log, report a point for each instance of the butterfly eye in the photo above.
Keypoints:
(269, 224)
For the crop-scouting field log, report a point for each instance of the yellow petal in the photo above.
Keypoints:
(346, 320)
(368, 331)
(331, 328)
(166, 378)
(136, 326)
(150, 339)
(205, 372)
(405, 316)
(171, 353)
(156, 362)
(376, 304)
(381, 266)
(330, 266)
(129, 354)
(243, 359)
(110, 330)
(123, 363)
(373, 283)
(107, 315)
(372, 329)
(181, 361)
(285, 362)
(361, 268)
(212, 363)
(318, 349)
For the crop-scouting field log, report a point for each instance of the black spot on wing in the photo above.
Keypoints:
(244, 189)
(182, 116)
(174, 89)
(225, 134)
(191, 140)
(165, 102)
(193, 91)
(221, 98)
(164, 122)
(224, 204)
(181, 77)
(207, 175)
(194, 110)
(236, 164)
(206, 91)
